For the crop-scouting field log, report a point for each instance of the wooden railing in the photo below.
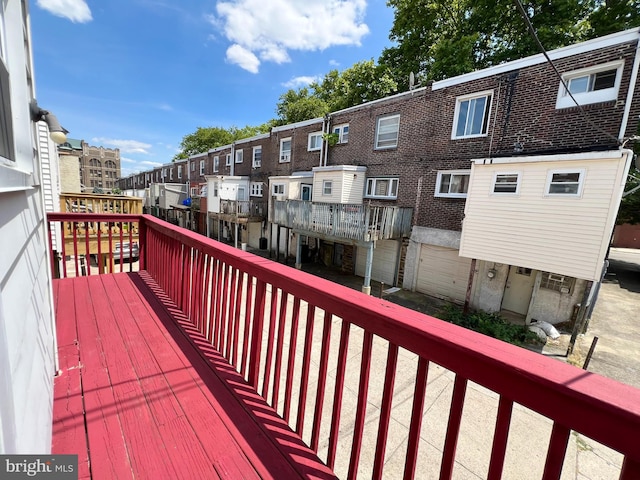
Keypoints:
(242, 208)
(94, 203)
(352, 221)
(353, 374)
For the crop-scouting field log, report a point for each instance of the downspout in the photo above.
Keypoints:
(324, 140)
(326, 151)
(233, 159)
(630, 93)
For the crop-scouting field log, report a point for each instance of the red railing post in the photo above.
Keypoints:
(142, 243)
(256, 334)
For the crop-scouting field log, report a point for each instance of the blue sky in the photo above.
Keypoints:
(141, 74)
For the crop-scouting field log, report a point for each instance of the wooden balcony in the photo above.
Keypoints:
(354, 222)
(210, 362)
(94, 203)
(240, 211)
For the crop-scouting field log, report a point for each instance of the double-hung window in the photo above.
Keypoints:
(471, 117)
(591, 85)
(315, 142)
(201, 168)
(277, 189)
(506, 183)
(453, 183)
(216, 163)
(239, 156)
(327, 187)
(343, 133)
(285, 150)
(255, 189)
(179, 171)
(565, 182)
(257, 157)
(382, 188)
(6, 127)
(387, 129)
(228, 160)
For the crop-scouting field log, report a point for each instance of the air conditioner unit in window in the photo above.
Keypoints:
(285, 157)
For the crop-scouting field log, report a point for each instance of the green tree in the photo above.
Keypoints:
(629, 211)
(206, 138)
(298, 105)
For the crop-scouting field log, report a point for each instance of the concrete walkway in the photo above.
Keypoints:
(616, 320)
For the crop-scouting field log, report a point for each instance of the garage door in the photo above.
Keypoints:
(385, 256)
(442, 273)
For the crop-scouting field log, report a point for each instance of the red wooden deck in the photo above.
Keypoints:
(137, 399)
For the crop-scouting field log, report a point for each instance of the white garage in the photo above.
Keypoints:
(385, 256)
(442, 273)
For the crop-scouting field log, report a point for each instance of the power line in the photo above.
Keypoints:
(533, 33)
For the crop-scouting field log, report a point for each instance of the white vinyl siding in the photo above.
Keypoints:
(347, 186)
(563, 234)
(387, 129)
(385, 257)
(443, 273)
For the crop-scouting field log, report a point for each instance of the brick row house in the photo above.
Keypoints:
(491, 188)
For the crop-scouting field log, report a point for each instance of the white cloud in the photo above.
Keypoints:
(125, 146)
(334, 63)
(267, 31)
(127, 160)
(75, 10)
(151, 164)
(164, 106)
(302, 81)
(243, 57)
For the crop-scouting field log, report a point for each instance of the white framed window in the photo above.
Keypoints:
(257, 157)
(157, 172)
(277, 189)
(382, 188)
(557, 282)
(193, 166)
(343, 132)
(239, 156)
(194, 191)
(255, 189)
(201, 168)
(216, 163)
(228, 160)
(315, 142)
(506, 183)
(171, 174)
(327, 187)
(591, 85)
(565, 182)
(387, 129)
(471, 116)
(215, 189)
(285, 150)
(179, 171)
(7, 151)
(453, 183)
(164, 173)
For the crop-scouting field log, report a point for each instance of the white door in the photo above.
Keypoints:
(517, 293)
(385, 256)
(443, 273)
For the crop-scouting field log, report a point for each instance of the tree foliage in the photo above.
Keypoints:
(362, 82)
(206, 138)
(629, 211)
(437, 39)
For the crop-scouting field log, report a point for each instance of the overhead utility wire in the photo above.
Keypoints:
(555, 69)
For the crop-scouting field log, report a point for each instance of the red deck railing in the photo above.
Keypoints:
(345, 370)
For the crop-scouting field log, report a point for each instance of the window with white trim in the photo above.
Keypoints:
(285, 150)
(164, 173)
(216, 163)
(215, 189)
(557, 282)
(591, 85)
(471, 117)
(228, 160)
(194, 191)
(255, 189)
(157, 173)
(565, 182)
(257, 157)
(343, 133)
(6, 126)
(453, 183)
(239, 156)
(277, 189)
(506, 183)
(327, 187)
(193, 166)
(315, 142)
(387, 129)
(382, 188)
(201, 167)
(179, 171)
(171, 173)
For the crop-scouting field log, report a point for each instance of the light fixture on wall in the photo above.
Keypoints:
(491, 273)
(56, 131)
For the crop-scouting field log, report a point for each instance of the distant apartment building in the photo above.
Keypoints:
(97, 168)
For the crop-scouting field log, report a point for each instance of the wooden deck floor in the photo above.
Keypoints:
(137, 399)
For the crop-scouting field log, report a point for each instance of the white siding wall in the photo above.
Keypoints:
(319, 178)
(27, 349)
(565, 235)
(352, 187)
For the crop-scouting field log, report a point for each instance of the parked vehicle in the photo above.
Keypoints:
(125, 251)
